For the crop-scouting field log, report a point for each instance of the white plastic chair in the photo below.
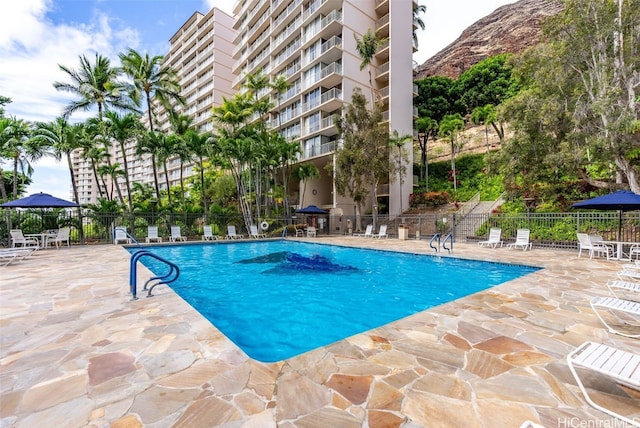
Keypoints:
(176, 235)
(120, 234)
(253, 232)
(368, 232)
(614, 305)
(621, 366)
(522, 240)
(17, 238)
(231, 233)
(208, 233)
(311, 232)
(382, 232)
(61, 237)
(152, 235)
(494, 238)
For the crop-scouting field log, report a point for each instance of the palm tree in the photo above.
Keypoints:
(124, 129)
(96, 84)
(366, 49)
(155, 81)
(304, 173)
(152, 79)
(280, 86)
(201, 146)
(418, 22)
(450, 127)
(17, 145)
(426, 128)
(399, 141)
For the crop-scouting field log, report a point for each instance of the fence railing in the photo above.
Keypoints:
(555, 230)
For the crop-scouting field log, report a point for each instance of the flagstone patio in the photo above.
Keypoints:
(77, 352)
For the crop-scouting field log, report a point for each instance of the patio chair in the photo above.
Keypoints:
(382, 232)
(176, 234)
(626, 274)
(253, 232)
(368, 232)
(311, 232)
(494, 238)
(522, 240)
(120, 234)
(615, 305)
(621, 366)
(629, 290)
(9, 255)
(598, 246)
(231, 233)
(18, 239)
(634, 250)
(208, 233)
(152, 235)
(61, 237)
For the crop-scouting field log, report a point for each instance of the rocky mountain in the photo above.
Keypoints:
(509, 29)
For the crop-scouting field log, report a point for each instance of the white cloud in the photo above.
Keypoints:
(31, 47)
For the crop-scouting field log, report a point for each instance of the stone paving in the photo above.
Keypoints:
(76, 352)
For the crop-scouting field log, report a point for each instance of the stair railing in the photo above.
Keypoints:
(172, 275)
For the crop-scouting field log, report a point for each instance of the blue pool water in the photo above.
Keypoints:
(279, 299)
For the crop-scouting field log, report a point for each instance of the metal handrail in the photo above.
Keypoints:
(449, 237)
(437, 237)
(172, 275)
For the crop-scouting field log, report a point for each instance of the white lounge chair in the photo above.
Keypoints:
(382, 232)
(208, 233)
(176, 234)
(152, 235)
(120, 234)
(368, 232)
(522, 240)
(621, 366)
(61, 237)
(626, 274)
(18, 239)
(625, 289)
(613, 304)
(231, 233)
(494, 238)
(253, 232)
(311, 232)
(9, 255)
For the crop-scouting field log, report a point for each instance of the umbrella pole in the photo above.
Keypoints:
(619, 224)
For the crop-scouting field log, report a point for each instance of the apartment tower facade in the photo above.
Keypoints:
(311, 43)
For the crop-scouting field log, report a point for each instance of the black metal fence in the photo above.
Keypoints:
(557, 230)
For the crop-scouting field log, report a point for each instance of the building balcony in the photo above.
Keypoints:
(329, 101)
(382, 26)
(285, 15)
(330, 25)
(382, 73)
(382, 7)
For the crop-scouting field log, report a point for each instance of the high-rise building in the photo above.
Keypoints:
(312, 43)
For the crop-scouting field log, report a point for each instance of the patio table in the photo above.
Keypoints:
(619, 246)
(42, 237)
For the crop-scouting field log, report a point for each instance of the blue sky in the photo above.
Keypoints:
(37, 35)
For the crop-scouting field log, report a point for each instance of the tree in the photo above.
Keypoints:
(427, 128)
(96, 85)
(362, 160)
(156, 82)
(124, 129)
(435, 98)
(578, 113)
(16, 144)
(304, 173)
(450, 127)
(397, 143)
(366, 47)
(486, 116)
(488, 82)
(418, 22)
(201, 146)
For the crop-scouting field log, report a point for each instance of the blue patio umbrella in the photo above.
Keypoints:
(622, 200)
(311, 209)
(39, 200)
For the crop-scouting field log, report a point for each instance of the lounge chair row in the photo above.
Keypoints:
(495, 239)
(11, 255)
(621, 366)
(368, 232)
(120, 234)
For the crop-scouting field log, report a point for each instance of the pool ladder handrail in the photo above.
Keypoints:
(172, 275)
(443, 242)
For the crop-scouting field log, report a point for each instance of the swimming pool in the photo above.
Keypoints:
(278, 299)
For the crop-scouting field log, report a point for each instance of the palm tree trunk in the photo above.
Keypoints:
(166, 179)
(155, 169)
